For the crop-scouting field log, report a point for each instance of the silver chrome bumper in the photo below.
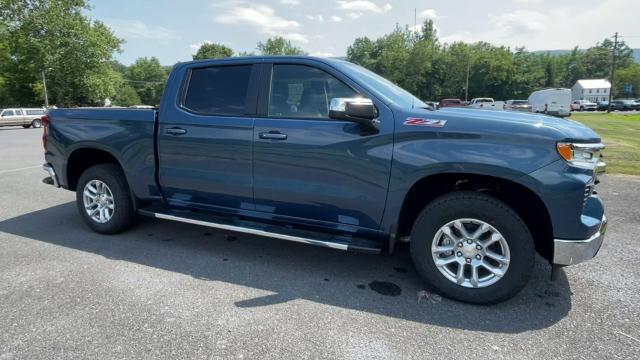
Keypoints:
(53, 178)
(569, 252)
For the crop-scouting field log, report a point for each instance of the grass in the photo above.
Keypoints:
(621, 134)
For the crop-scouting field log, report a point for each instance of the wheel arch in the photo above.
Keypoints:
(82, 158)
(524, 201)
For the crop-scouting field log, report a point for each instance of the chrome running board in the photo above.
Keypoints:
(283, 233)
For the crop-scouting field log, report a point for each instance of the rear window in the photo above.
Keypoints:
(220, 90)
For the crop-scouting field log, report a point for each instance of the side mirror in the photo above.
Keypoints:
(358, 110)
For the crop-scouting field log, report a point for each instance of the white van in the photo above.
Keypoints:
(551, 101)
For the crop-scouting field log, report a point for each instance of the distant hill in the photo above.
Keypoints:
(636, 53)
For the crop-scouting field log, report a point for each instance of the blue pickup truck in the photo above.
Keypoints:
(325, 152)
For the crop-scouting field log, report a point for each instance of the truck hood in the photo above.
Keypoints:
(519, 123)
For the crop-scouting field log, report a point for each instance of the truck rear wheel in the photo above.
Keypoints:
(103, 199)
(472, 247)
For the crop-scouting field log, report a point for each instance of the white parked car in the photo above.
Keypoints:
(21, 116)
(551, 101)
(583, 105)
(486, 104)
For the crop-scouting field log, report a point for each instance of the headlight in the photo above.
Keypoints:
(582, 155)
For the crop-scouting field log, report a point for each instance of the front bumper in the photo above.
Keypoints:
(569, 252)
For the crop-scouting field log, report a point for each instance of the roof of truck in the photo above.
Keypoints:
(265, 58)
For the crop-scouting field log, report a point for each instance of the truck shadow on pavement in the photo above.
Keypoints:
(380, 284)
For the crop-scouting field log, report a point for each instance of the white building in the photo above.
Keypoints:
(591, 89)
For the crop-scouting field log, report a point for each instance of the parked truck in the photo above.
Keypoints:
(486, 104)
(21, 116)
(324, 152)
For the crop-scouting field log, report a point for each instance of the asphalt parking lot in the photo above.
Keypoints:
(178, 291)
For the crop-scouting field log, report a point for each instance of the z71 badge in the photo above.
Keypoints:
(425, 122)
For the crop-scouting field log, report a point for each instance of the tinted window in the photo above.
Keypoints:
(303, 91)
(8, 113)
(218, 90)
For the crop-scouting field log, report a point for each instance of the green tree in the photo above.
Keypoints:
(212, 51)
(361, 52)
(148, 77)
(279, 46)
(628, 75)
(126, 96)
(55, 37)
(573, 68)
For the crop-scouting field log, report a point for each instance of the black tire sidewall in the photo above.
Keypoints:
(113, 177)
(488, 209)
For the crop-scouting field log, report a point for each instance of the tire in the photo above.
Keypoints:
(581, 108)
(122, 211)
(36, 123)
(481, 208)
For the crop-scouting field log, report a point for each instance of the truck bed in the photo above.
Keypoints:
(126, 134)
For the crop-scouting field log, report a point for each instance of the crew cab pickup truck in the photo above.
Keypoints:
(324, 152)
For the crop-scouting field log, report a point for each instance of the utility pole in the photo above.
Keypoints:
(44, 86)
(415, 18)
(614, 56)
(466, 87)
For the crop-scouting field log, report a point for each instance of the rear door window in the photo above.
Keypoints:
(219, 90)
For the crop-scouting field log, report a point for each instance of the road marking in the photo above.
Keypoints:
(629, 336)
(20, 169)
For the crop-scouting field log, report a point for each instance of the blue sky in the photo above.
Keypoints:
(171, 30)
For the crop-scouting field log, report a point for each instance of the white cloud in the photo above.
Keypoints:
(335, 18)
(295, 37)
(139, 30)
(318, 17)
(354, 15)
(428, 14)
(290, 2)
(363, 5)
(322, 54)
(261, 17)
(519, 21)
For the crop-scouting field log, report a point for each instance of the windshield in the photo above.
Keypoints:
(382, 86)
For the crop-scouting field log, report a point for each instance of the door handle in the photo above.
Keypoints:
(273, 135)
(175, 131)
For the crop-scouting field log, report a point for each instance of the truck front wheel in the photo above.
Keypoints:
(103, 199)
(472, 247)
